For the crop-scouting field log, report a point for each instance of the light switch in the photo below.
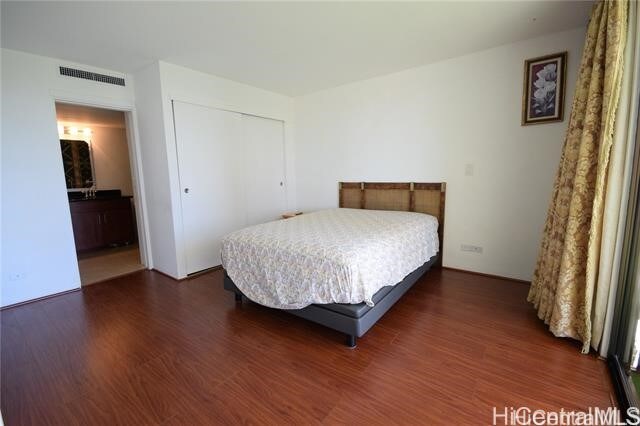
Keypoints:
(469, 169)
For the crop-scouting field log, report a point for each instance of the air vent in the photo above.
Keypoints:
(88, 75)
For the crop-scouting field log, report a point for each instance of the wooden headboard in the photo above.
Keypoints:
(406, 196)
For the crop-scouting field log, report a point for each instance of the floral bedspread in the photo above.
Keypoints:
(328, 256)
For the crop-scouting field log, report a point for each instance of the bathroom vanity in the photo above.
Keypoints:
(106, 220)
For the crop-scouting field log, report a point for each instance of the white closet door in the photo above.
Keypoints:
(210, 157)
(265, 183)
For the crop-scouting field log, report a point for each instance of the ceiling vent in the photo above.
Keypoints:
(88, 75)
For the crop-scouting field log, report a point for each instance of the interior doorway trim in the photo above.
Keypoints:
(135, 160)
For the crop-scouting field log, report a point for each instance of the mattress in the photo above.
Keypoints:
(329, 256)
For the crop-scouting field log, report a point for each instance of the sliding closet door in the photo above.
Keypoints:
(265, 184)
(210, 161)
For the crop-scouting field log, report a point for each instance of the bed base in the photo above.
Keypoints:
(351, 341)
(352, 320)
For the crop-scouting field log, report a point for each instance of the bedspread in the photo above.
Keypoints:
(328, 256)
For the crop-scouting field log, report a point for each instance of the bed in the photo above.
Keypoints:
(343, 268)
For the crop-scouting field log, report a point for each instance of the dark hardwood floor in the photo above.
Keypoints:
(144, 349)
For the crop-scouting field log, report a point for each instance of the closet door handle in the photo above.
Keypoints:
(186, 190)
(281, 183)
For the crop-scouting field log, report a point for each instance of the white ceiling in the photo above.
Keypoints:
(89, 116)
(290, 47)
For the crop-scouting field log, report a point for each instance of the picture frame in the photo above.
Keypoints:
(544, 89)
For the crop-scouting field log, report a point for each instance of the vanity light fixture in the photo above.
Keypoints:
(73, 131)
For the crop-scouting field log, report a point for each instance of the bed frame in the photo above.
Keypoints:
(356, 319)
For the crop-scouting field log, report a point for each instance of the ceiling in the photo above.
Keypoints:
(292, 48)
(89, 116)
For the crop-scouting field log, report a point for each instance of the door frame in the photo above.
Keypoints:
(135, 162)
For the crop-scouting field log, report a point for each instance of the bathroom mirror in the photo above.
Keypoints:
(77, 159)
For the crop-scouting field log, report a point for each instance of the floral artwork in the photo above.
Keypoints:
(544, 89)
(543, 102)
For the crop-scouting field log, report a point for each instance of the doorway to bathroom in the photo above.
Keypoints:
(95, 153)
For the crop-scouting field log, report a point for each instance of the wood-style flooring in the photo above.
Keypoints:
(144, 349)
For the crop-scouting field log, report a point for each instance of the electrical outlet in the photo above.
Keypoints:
(469, 247)
(17, 276)
(469, 169)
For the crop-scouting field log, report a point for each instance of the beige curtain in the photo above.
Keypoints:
(564, 279)
(618, 187)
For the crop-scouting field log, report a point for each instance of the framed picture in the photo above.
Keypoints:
(543, 97)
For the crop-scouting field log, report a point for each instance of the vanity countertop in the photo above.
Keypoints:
(107, 194)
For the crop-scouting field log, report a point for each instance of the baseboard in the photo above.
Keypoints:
(39, 299)
(203, 272)
(500, 277)
(190, 276)
(166, 275)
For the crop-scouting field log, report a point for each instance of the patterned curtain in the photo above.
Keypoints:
(567, 267)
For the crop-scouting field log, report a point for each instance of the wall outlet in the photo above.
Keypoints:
(17, 276)
(469, 247)
(469, 169)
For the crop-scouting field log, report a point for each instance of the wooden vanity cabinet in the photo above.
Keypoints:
(102, 223)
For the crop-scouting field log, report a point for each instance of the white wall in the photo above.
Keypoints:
(111, 159)
(423, 124)
(38, 252)
(426, 124)
(157, 86)
(155, 163)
